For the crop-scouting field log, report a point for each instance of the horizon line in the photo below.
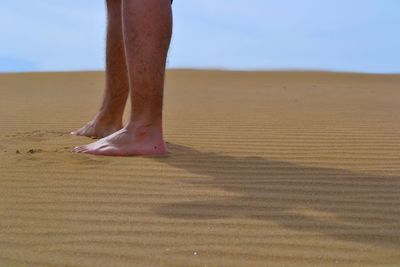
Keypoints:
(293, 70)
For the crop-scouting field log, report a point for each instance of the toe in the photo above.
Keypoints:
(85, 150)
(79, 149)
(88, 151)
(77, 132)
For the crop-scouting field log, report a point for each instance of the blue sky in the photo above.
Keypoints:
(352, 35)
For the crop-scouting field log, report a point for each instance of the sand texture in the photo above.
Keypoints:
(265, 169)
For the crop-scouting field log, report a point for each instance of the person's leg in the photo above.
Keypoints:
(109, 118)
(147, 26)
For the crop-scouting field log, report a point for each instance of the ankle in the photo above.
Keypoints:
(108, 118)
(139, 126)
(150, 123)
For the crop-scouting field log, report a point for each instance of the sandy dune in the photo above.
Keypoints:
(265, 169)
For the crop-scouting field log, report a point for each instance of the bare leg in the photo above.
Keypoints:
(147, 28)
(109, 118)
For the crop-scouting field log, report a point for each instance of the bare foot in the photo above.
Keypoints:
(101, 126)
(129, 141)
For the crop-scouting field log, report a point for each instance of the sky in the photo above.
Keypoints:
(339, 35)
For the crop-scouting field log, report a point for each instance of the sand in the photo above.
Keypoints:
(265, 169)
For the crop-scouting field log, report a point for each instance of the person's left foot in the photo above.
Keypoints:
(130, 140)
(101, 126)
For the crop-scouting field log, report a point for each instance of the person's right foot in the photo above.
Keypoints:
(99, 127)
(132, 140)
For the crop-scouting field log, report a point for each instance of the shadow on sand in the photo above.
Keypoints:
(346, 205)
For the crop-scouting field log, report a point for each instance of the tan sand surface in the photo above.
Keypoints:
(265, 169)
